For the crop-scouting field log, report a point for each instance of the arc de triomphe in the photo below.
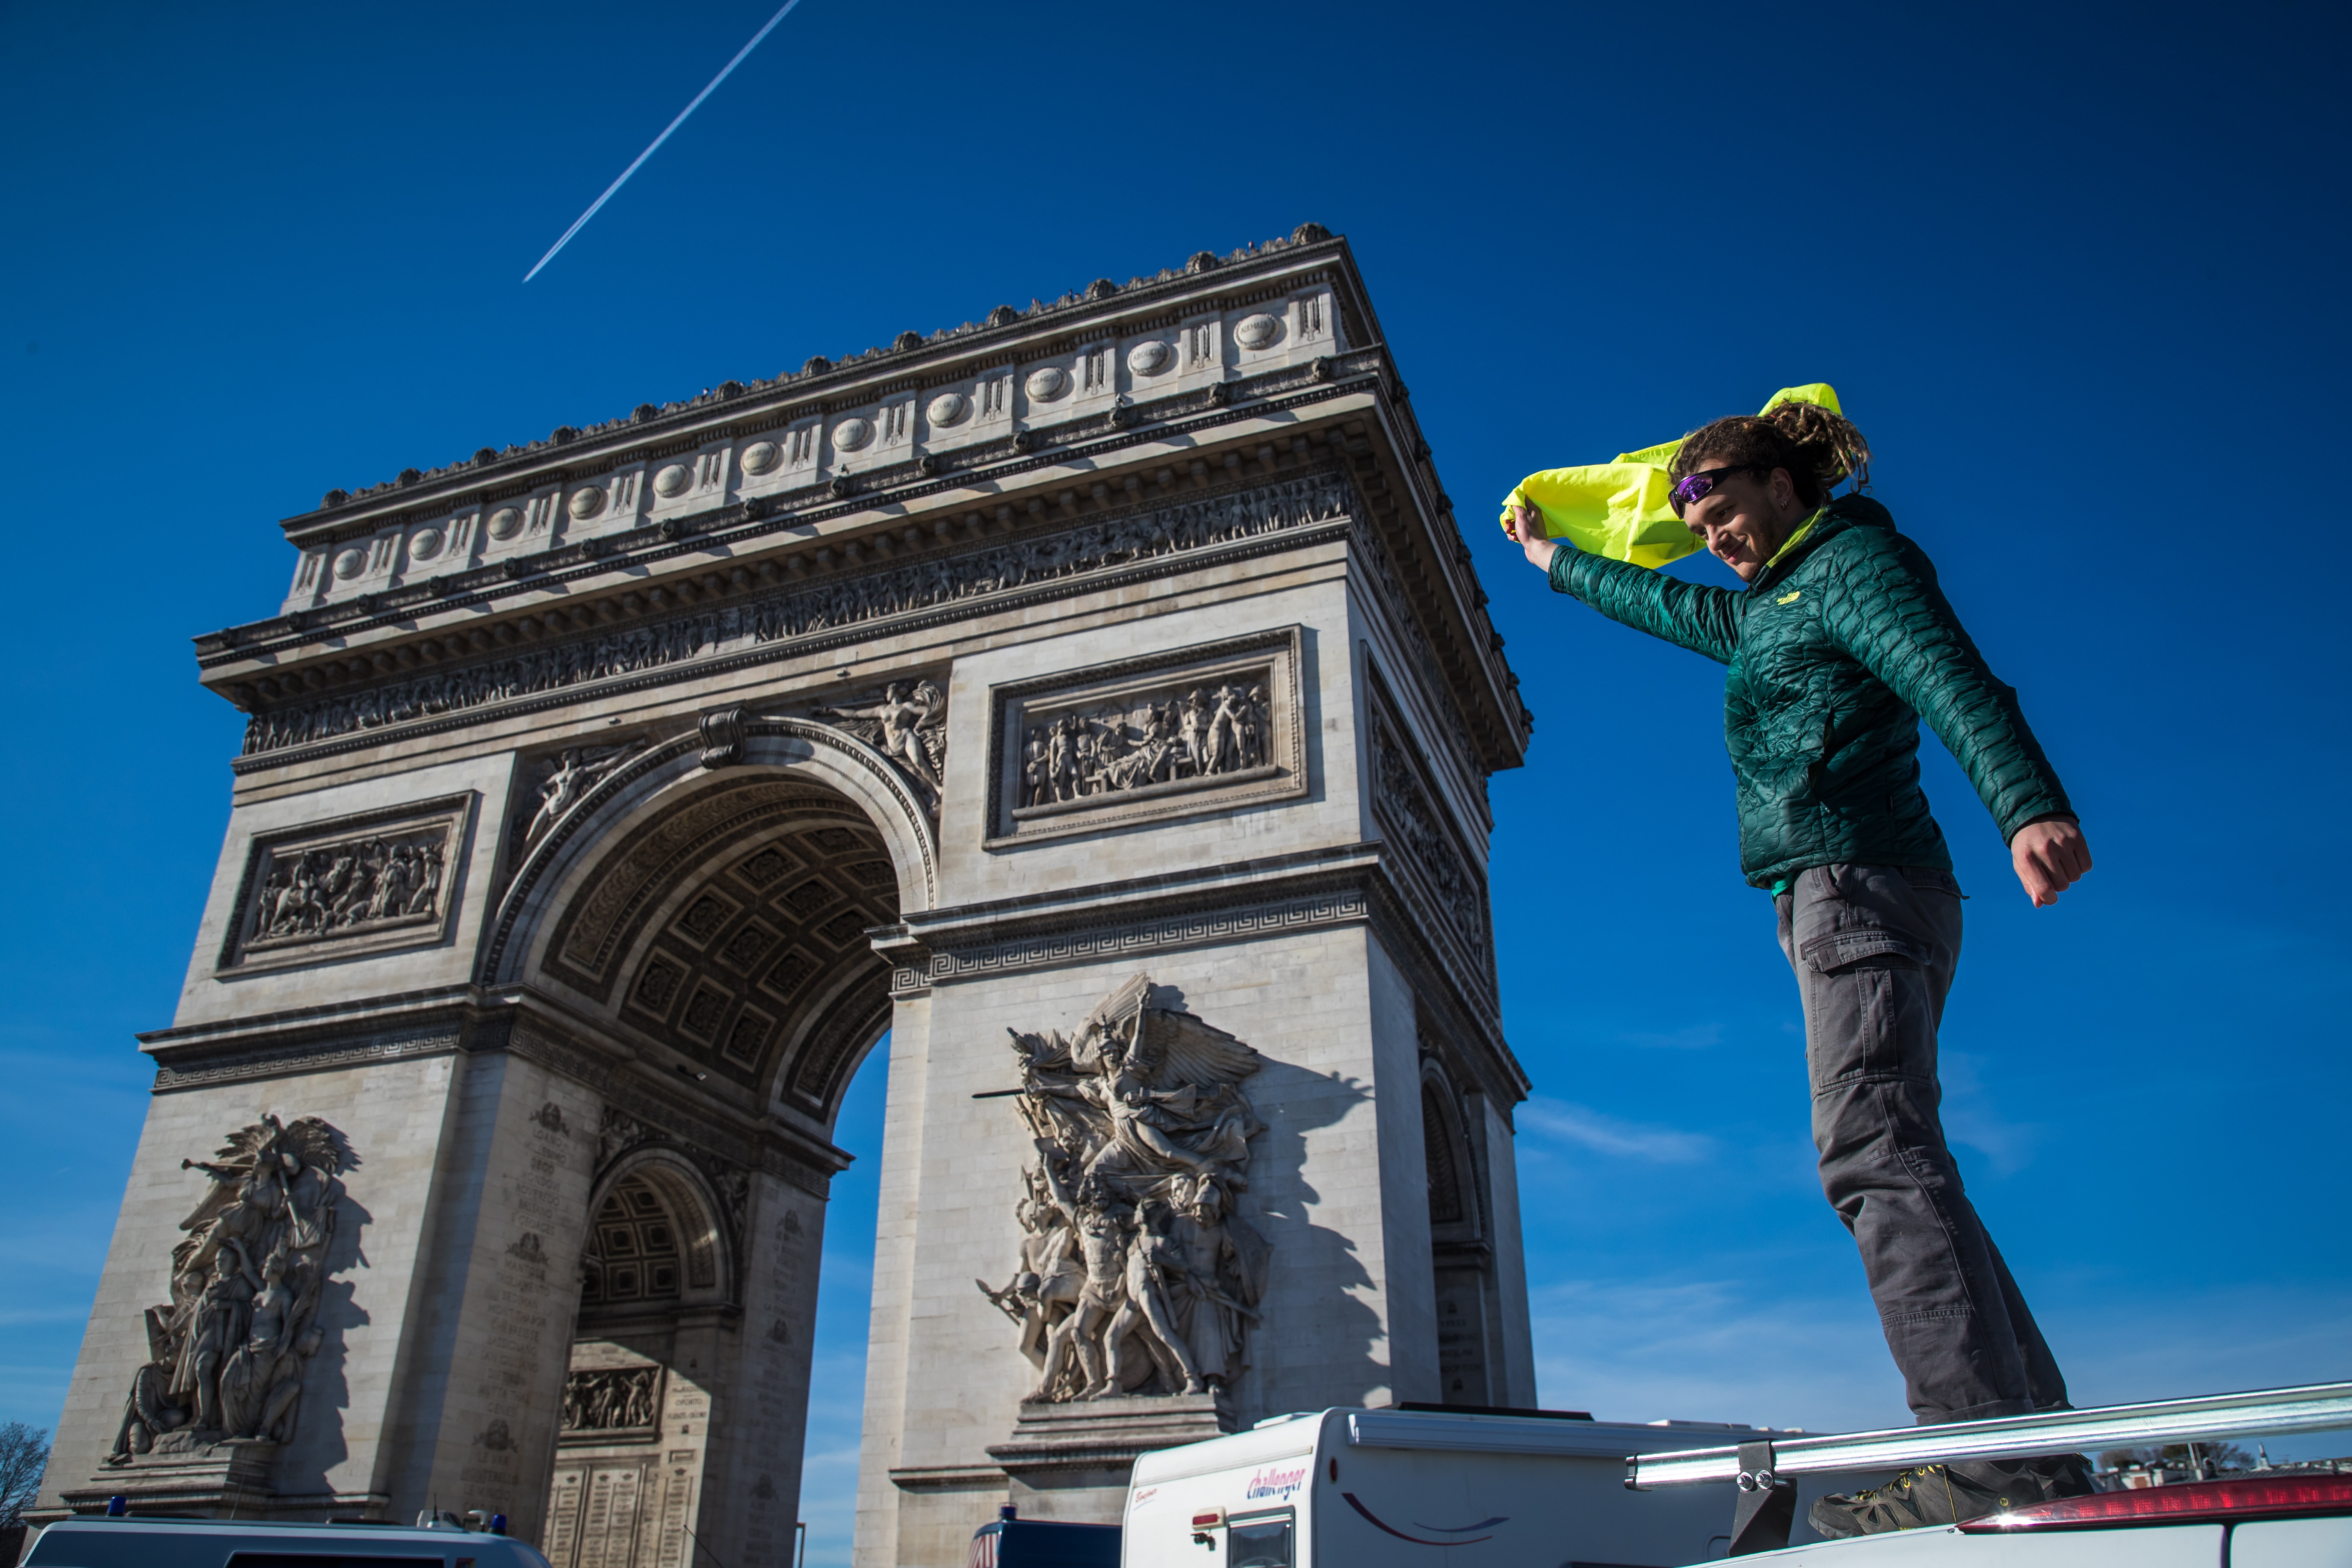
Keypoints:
(1095, 701)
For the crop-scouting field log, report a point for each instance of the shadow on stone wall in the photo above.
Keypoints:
(320, 1444)
(1314, 1348)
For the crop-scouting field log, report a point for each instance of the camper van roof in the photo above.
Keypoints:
(1252, 1448)
(1427, 1429)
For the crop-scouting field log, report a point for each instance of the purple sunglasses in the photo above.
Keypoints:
(1692, 489)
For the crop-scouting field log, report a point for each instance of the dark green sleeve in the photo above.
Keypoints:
(1882, 605)
(1689, 615)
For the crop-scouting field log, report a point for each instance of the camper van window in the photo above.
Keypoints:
(1260, 1543)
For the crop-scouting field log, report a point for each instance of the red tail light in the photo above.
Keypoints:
(2195, 1502)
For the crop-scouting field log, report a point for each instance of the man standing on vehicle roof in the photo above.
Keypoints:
(1841, 643)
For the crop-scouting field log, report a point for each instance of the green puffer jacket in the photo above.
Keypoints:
(1837, 651)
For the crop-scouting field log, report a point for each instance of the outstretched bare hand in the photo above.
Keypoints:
(1527, 529)
(2051, 855)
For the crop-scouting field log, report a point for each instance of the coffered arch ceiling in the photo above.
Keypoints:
(730, 926)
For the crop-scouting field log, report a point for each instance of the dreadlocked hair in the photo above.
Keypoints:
(1817, 448)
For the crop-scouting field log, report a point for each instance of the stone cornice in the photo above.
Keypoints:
(1207, 283)
(1351, 884)
(1023, 472)
(1283, 527)
(473, 1019)
(758, 524)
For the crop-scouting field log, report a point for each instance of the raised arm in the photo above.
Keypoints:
(1688, 615)
(1886, 610)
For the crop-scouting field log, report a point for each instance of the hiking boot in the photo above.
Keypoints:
(1947, 1494)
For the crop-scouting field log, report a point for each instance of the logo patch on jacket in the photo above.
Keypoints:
(1791, 597)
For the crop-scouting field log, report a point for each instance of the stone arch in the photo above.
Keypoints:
(661, 1276)
(1445, 1154)
(1462, 1252)
(707, 1251)
(1456, 1195)
(719, 912)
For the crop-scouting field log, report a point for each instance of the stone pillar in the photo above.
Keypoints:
(442, 1320)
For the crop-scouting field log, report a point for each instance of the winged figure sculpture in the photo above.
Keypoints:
(908, 725)
(1136, 1274)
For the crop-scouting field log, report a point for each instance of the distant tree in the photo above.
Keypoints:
(2219, 1457)
(23, 1456)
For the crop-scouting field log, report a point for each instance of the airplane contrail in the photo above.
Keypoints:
(582, 222)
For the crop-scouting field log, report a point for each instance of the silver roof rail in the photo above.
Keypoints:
(1763, 1469)
(2315, 1408)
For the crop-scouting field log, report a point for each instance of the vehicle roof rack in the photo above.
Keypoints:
(1762, 1470)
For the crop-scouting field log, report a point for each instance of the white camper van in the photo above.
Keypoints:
(1432, 1488)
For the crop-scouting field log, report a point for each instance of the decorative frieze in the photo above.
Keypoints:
(953, 578)
(1212, 727)
(1406, 800)
(365, 884)
(1098, 944)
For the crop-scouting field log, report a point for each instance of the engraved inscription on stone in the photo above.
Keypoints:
(1136, 1275)
(226, 1353)
(1197, 729)
(354, 885)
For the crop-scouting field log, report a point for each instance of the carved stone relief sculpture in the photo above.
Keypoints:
(354, 885)
(1136, 1275)
(226, 1353)
(1406, 800)
(1196, 729)
(554, 785)
(1132, 745)
(610, 1401)
(907, 724)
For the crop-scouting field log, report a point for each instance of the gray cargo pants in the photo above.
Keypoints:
(1875, 948)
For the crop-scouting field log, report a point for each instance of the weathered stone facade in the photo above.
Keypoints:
(604, 802)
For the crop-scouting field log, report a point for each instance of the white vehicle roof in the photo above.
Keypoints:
(1289, 1437)
(136, 1542)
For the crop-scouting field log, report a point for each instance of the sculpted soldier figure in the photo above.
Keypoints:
(1102, 1243)
(227, 1355)
(1155, 1273)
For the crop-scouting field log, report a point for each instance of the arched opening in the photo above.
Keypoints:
(634, 1438)
(1462, 1257)
(716, 924)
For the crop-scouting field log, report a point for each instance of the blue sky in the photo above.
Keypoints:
(2076, 270)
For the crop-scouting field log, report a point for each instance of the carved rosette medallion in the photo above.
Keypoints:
(1137, 1275)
